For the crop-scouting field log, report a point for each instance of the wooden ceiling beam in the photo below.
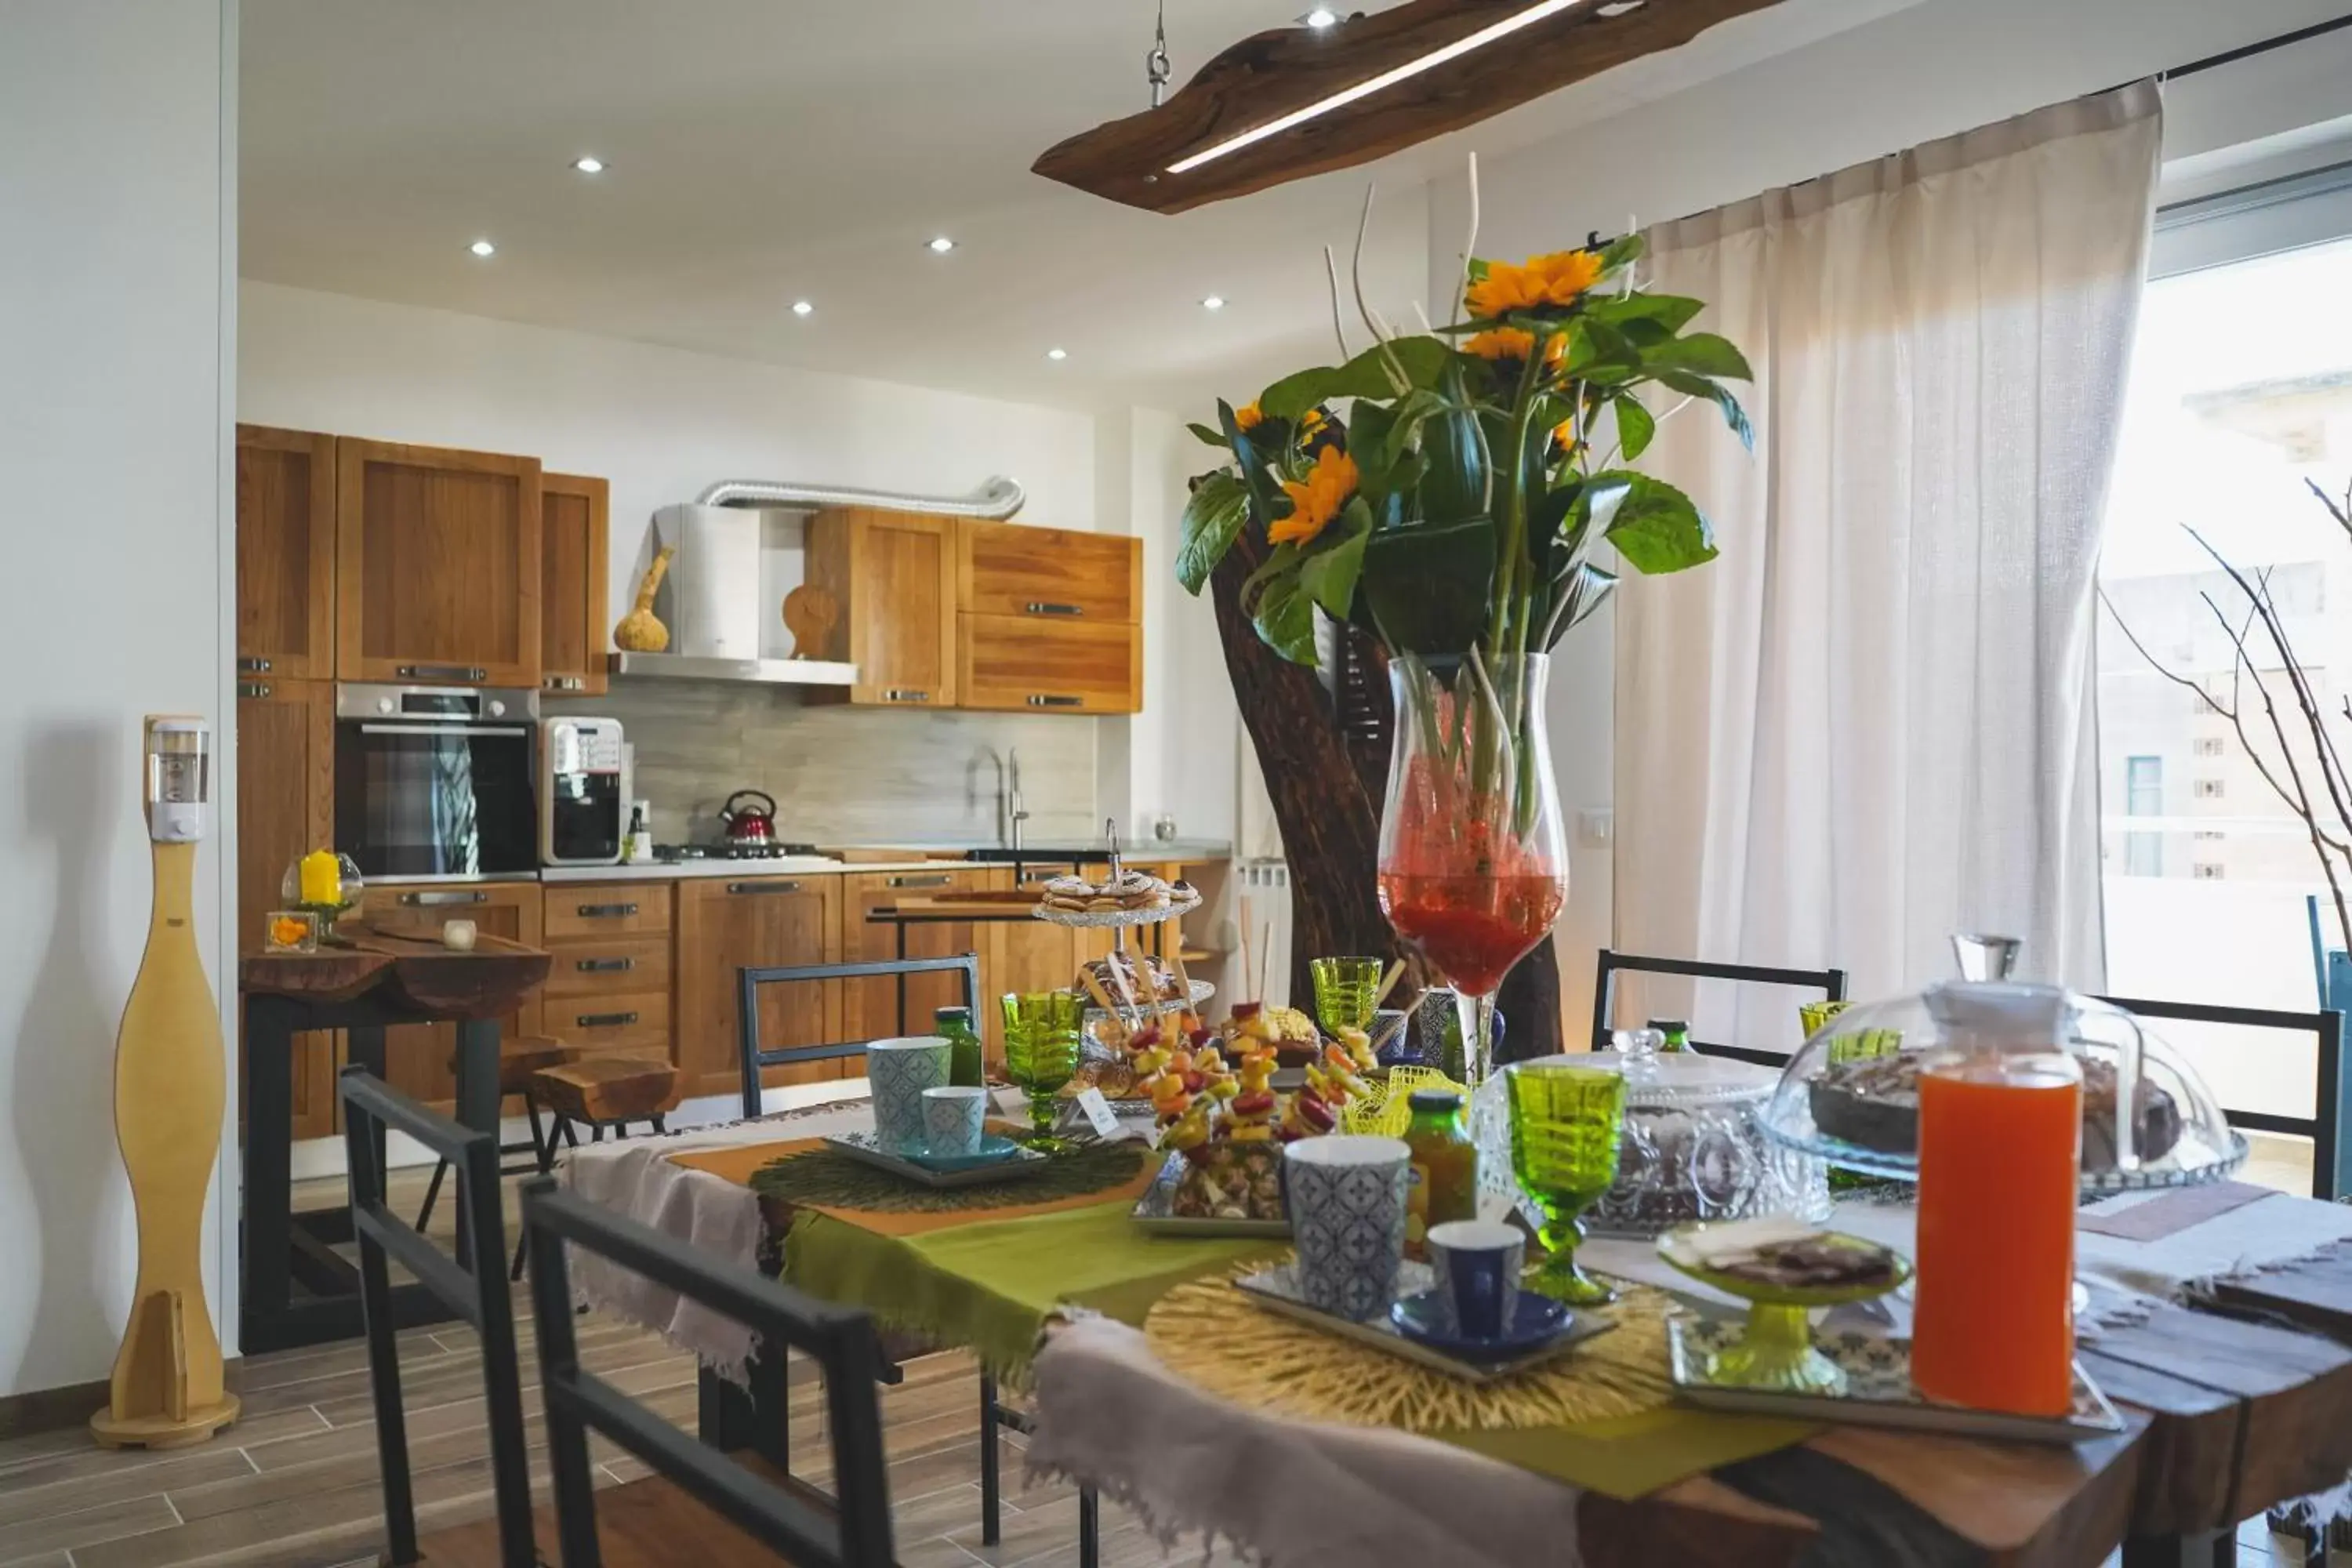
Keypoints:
(1279, 72)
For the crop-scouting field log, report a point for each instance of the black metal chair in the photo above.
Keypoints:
(1831, 982)
(2331, 1161)
(750, 978)
(850, 1530)
(474, 1287)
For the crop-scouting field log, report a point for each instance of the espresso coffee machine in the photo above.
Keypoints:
(583, 792)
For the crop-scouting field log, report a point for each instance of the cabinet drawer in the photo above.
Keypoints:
(1048, 573)
(615, 966)
(1052, 666)
(606, 909)
(634, 1023)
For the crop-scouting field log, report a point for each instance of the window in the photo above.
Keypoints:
(2207, 789)
(2144, 796)
(2206, 746)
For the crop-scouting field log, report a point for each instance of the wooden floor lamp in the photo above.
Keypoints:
(170, 1085)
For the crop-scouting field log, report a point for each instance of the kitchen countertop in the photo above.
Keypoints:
(919, 857)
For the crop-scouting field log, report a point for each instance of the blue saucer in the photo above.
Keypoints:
(1539, 1320)
(993, 1151)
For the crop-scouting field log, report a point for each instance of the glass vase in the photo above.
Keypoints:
(1473, 866)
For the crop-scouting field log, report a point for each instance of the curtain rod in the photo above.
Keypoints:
(2247, 51)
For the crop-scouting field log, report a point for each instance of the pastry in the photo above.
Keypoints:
(1779, 1255)
(1873, 1103)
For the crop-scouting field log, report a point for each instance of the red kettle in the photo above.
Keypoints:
(754, 824)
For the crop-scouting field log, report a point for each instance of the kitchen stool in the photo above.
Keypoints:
(519, 1061)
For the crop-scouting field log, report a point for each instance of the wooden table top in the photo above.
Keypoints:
(415, 970)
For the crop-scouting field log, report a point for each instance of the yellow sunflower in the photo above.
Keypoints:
(1511, 343)
(1315, 501)
(1545, 280)
(1309, 422)
(1246, 418)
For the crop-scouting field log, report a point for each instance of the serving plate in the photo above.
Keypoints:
(1155, 1212)
(984, 1169)
(1278, 1290)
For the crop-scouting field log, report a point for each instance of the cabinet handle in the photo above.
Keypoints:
(253, 665)
(604, 1020)
(939, 881)
(435, 900)
(604, 911)
(444, 672)
(905, 694)
(751, 887)
(1047, 607)
(606, 965)
(564, 683)
(1054, 700)
(253, 689)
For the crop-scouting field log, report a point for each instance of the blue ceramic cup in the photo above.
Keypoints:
(1477, 1264)
(898, 1071)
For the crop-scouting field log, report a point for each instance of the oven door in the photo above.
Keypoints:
(425, 800)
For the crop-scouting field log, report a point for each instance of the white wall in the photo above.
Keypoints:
(1930, 70)
(116, 123)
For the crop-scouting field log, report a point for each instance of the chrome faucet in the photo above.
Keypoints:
(1015, 813)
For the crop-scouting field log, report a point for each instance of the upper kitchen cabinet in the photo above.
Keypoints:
(1052, 666)
(437, 567)
(1050, 573)
(573, 519)
(892, 576)
(285, 554)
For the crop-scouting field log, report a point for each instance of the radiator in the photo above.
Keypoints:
(1262, 914)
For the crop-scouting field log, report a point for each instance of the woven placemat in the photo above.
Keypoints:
(1215, 1336)
(825, 1179)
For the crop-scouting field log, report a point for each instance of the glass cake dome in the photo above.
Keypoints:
(1851, 1095)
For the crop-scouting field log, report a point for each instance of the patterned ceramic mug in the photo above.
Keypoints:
(898, 1071)
(1346, 1195)
(953, 1120)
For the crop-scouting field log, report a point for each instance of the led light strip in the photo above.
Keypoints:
(1435, 58)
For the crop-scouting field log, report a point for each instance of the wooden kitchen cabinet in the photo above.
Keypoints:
(725, 923)
(285, 808)
(892, 576)
(1048, 573)
(1032, 665)
(419, 1058)
(285, 554)
(574, 517)
(1023, 956)
(608, 981)
(437, 565)
(870, 1007)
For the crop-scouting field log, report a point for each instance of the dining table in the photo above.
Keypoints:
(2234, 1390)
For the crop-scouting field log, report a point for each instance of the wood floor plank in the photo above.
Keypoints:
(85, 1528)
(100, 1486)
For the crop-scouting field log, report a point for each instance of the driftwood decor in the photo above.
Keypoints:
(1326, 771)
(1285, 71)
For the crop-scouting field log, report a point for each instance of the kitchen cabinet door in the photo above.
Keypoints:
(1021, 955)
(870, 1007)
(419, 1058)
(574, 520)
(437, 565)
(892, 576)
(1048, 573)
(726, 923)
(285, 809)
(1033, 665)
(285, 554)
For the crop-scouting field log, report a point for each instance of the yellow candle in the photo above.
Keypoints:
(322, 878)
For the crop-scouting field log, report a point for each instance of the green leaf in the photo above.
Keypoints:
(1657, 529)
(1585, 594)
(1213, 518)
(1635, 426)
(1265, 494)
(1603, 496)
(1428, 585)
(1285, 621)
(1671, 312)
(1734, 416)
(1328, 577)
(1622, 251)
(1699, 354)
(1421, 359)
(1207, 437)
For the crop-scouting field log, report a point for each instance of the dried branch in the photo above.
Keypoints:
(1331, 271)
(1469, 245)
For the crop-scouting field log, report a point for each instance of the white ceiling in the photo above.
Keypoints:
(762, 150)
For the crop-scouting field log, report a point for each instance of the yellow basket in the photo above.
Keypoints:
(1384, 1111)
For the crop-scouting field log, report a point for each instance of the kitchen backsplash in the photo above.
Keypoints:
(843, 775)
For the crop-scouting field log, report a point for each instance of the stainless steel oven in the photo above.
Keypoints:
(437, 782)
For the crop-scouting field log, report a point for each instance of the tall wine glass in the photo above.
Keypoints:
(1041, 1053)
(1473, 866)
(1566, 1121)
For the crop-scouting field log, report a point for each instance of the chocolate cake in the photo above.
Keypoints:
(1873, 1103)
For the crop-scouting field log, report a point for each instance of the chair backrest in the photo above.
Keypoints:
(794, 1521)
(750, 979)
(2331, 1161)
(473, 1287)
(1831, 982)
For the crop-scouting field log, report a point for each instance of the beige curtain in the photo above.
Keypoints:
(1869, 723)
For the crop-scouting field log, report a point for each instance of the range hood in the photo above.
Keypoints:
(748, 671)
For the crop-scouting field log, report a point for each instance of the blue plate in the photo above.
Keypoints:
(1539, 1320)
(993, 1151)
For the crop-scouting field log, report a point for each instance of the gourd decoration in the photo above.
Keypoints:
(810, 615)
(641, 630)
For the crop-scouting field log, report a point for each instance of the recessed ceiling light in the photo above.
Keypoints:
(942, 245)
(802, 307)
(1213, 303)
(1321, 16)
(589, 165)
(1540, 11)
(1058, 353)
(483, 248)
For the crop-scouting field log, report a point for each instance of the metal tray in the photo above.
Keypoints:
(864, 1146)
(1155, 1212)
(1276, 1289)
(1878, 1390)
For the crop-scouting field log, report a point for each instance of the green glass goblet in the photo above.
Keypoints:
(1344, 989)
(1565, 1122)
(1041, 1053)
(1776, 1352)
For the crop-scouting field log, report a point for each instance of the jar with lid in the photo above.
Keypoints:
(1442, 1178)
(953, 1025)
